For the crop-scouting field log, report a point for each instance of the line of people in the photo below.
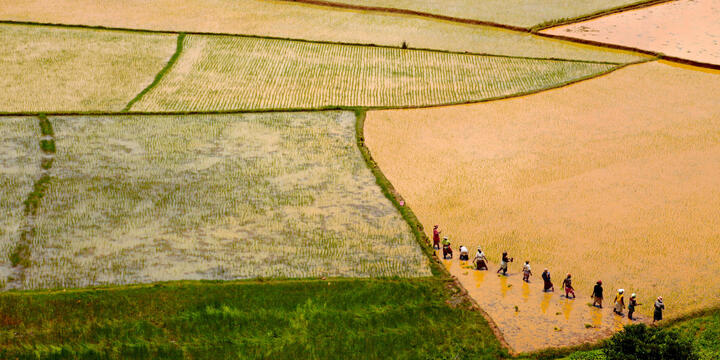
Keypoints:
(480, 261)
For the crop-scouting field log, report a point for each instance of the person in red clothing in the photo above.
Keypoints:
(436, 238)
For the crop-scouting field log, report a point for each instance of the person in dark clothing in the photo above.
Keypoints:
(597, 294)
(446, 248)
(567, 285)
(504, 263)
(548, 285)
(659, 307)
(631, 306)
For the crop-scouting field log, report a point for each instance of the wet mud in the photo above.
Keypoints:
(531, 319)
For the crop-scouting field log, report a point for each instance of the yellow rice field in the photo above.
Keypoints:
(290, 20)
(616, 178)
(48, 68)
(153, 198)
(259, 73)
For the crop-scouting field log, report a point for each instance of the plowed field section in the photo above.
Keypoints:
(240, 73)
(142, 199)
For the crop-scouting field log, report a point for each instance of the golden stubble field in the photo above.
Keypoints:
(290, 20)
(616, 178)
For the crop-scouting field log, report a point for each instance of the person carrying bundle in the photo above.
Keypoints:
(464, 253)
(567, 285)
(480, 260)
(446, 248)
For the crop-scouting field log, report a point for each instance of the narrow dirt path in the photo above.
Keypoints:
(20, 257)
(531, 319)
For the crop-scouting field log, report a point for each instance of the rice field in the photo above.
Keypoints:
(289, 20)
(152, 198)
(616, 179)
(279, 74)
(47, 68)
(19, 168)
(686, 29)
(520, 13)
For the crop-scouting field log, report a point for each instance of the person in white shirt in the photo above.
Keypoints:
(526, 271)
(480, 260)
(464, 253)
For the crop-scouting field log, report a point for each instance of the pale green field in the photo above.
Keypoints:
(19, 168)
(152, 198)
(46, 68)
(522, 13)
(240, 73)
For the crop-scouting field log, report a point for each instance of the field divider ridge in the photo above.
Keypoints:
(20, 255)
(600, 13)
(168, 66)
(417, 228)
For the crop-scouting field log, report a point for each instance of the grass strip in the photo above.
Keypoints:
(159, 76)
(618, 9)
(319, 319)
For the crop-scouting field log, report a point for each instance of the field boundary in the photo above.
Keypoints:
(329, 107)
(416, 227)
(159, 76)
(325, 42)
(618, 9)
(20, 255)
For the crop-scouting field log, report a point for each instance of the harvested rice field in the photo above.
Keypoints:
(686, 29)
(290, 20)
(48, 68)
(137, 199)
(616, 179)
(280, 74)
(521, 13)
(20, 159)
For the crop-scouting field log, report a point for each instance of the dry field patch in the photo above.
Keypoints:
(241, 73)
(617, 179)
(298, 21)
(47, 68)
(154, 198)
(686, 29)
(19, 169)
(521, 13)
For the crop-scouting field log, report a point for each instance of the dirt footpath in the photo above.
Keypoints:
(531, 319)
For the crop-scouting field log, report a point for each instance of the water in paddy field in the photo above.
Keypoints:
(531, 319)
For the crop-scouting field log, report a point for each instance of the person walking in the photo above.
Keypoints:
(436, 238)
(619, 302)
(526, 271)
(567, 285)
(547, 283)
(631, 306)
(480, 260)
(597, 294)
(504, 263)
(659, 307)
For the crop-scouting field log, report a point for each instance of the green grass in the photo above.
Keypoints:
(333, 319)
(157, 198)
(704, 330)
(260, 73)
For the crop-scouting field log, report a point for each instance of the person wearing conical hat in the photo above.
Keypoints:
(631, 306)
(619, 302)
(659, 307)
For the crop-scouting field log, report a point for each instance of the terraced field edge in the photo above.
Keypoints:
(389, 191)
